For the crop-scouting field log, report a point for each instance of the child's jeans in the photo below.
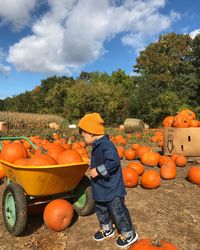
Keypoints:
(116, 212)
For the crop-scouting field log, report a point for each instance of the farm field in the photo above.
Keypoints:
(171, 212)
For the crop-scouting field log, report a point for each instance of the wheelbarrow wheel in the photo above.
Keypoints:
(83, 203)
(14, 208)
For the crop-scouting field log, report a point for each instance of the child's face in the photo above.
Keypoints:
(89, 138)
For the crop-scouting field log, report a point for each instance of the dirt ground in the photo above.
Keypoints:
(171, 212)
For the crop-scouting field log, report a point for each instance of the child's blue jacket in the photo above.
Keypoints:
(109, 182)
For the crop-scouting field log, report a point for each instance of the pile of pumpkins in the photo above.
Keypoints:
(20, 152)
(184, 119)
(139, 156)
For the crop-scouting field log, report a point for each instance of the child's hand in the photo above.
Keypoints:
(93, 172)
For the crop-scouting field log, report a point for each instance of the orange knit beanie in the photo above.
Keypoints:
(92, 123)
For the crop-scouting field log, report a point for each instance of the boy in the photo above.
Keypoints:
(107, 183)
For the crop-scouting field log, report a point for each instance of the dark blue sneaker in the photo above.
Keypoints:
(102, 234)
(124, 242)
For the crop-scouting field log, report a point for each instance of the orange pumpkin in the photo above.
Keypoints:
(137, 165)
(181, 121)
(167, 122)
(69, 156)
(194, 123)
(194, 174)
(189, 113)
(54, 150)
(135, 146)
(41, 160)
(150, 179)
(150, 158)
(129, 154)
(168, 170)
(180, 161)
(2, 172)
(130, 177)
(148, 244)
(58, 214)
(120, 150)
(141, 150)
(163, 159)
(13, 151)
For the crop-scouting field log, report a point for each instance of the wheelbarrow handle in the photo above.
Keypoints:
(13, 138)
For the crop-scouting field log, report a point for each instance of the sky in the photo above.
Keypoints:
(43, 38)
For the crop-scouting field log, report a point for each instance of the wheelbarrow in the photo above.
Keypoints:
(25, 184)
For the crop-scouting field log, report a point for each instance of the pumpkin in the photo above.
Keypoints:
(2, 172)
(194, 174)
(135, 146)
(168, 170)
(129, 154)
(120, 150)
(119, 139)
(189, 113)
(41, 160)
(150, 179)
(148, 244)
(150, 158)
(54, 150)
(69, 156)
(180, 160)
(194, 123)
(141, 150)
(130, 177)
(21, 162)
(181, 121)
(58, 214)
(137, 165)
(13, 151)
(167, 122)
(163, 159)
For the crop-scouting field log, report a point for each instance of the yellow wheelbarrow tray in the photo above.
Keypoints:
(46, 180)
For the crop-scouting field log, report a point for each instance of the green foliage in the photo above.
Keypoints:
(168, 79)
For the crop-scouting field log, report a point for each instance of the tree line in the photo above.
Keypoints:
(166, 78)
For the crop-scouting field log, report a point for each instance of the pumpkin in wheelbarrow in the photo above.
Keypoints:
(58, 214)
(69, 156)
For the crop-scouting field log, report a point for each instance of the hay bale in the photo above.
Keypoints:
(54, 125)
(3, 126)
(132, 125)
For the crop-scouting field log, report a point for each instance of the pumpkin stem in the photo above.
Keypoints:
(156, 240)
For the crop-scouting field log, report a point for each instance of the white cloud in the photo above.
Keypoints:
(73, 33)
(16, 12)
(194, 33)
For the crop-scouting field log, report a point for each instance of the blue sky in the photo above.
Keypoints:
(41, 38)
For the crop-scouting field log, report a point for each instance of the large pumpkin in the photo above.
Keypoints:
(41, 160)
(69, 156)
(141, 150)
(130, 177)
(54, 150)
(13, 151)
(150, 179)
(137, 165)
(129, 154)
(194, 174)
(2, 172)
(189, 113)
(58, 214)
(180, 160)
(181, 121)
(168, 170)
(167, 122)
(148, 244)
(150, 158)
